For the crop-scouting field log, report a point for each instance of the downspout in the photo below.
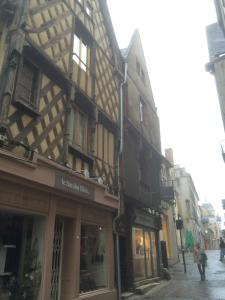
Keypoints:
(119, 179)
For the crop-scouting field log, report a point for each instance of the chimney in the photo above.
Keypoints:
(169, 155)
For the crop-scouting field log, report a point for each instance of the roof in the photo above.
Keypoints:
(207, 206)
(125, 51)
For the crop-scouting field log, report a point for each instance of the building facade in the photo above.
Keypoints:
(140, 172)
(211, 226)
(59, 110)
(187, 208)
(168, 233)
(216, 64)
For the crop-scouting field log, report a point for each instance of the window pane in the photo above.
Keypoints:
(21, 250)
(84, 53)
(89, 10)
(138, 253)
(76, 45)
(82, 131)
(83, 67)
(92, 258)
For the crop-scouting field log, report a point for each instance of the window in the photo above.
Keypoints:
(141, 111)
(92, 258)
(138, 67)
(21, 250)
(27, 85)
(89, 10)
(140, 71)
(142, 76)
(144, 253)
(80, 131)
(80, 52)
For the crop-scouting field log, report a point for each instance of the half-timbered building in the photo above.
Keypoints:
(140, 173)
(59, 110)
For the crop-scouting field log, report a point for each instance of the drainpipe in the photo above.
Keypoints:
(119, 179)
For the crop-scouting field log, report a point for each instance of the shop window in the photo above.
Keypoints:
(27, 85)
(144, 254)
(21, 250)
(92, 258)
(138, 253)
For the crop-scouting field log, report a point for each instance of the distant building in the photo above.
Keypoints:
(168, 210)
(187, 207)
(211, 226)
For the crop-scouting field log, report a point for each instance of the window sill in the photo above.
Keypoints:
(77, 151)
(28, 108)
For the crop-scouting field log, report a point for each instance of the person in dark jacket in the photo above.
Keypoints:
(200, 258)
(222, 248)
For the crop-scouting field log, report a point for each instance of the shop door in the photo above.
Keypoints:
(57, 259)
(154, 254)
(138, 254)
(148, 254)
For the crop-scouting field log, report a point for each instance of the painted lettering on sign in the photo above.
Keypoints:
(74, 185)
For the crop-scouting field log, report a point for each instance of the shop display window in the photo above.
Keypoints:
(21, 250)
(144, 253)
(138, 253)
(92, 258)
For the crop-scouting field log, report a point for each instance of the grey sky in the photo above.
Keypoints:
(175, 47)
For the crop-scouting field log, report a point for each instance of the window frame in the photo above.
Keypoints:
(77, 57)
(89, 10)
(84, 148)
(105, 227)
(141, 110)
(31, 106)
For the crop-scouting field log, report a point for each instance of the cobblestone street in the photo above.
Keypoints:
(189, 286)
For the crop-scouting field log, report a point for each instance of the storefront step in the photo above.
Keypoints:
(127, 295)
(146, 281)
(141, 290)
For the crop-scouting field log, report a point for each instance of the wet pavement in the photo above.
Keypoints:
(189, 286)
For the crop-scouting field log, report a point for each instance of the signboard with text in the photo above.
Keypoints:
(73, 185)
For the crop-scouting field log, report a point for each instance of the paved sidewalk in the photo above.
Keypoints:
(189, 286)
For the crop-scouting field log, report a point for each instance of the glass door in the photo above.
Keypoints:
(148, 254)
(154, 254)
(138, 254)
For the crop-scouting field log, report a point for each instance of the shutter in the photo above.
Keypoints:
(25, 89)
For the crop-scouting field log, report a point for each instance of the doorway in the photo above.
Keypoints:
(144, 253)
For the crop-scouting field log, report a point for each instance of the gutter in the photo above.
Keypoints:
(119, 179)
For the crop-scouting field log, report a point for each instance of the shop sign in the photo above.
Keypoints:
(148, 221)
(74, 186)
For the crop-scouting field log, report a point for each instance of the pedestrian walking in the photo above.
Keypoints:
(222, 248)
(200, 258)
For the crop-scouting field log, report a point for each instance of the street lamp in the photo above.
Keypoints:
(179, 226)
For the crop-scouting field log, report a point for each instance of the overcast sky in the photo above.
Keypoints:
(175, 47)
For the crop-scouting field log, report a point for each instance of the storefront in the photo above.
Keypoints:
(56, 239)
(144, 253)
(145, 246)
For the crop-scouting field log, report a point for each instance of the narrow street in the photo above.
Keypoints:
(189, 286)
